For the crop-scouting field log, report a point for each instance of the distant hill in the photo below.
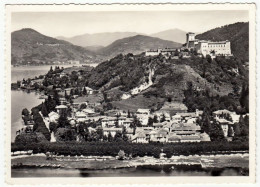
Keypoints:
(175, 35)
(94, 48)
(237, 34)
(100, 39)
(135, 44)
(29, 45)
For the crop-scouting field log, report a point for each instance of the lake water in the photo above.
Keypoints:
(140, 171)
(25, 72)
(20, 99)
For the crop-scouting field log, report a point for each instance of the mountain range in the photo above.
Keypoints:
(175, 35)
(135, 44)
(98, 39)
(29, 45)
(107, 38)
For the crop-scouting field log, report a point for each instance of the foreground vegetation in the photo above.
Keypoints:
(112, 149)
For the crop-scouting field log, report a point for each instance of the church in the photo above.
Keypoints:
(208, 47)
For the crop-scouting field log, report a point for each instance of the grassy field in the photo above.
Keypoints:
(136, 102)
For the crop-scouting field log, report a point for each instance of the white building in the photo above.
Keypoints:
(80, 116)
(61, 108)
(88, 90)
(140, 137)
(204, 47)
(165, 52)
(108, 121)
(112, 131)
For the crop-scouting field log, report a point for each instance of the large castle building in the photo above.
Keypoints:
(208, 47)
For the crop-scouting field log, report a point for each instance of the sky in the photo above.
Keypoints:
(69, 24)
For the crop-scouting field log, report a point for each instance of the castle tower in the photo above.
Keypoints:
(190, 37)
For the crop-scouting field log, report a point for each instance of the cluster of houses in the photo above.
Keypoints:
(181, 127)
(173, 53)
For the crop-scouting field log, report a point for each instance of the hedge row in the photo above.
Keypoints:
(112, 148)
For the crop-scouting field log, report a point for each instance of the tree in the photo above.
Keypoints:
(51, 70)
(216, 132)
(66, 95)
(83, 106)
(163, 118)
(56, 98)
(109, 137)
(244, 126)
(84, 91)
(53, 127)
(150, 122)
(244, 97)
(124, 136)
(41, 127)
(116, 123)
(230, 131)
(65, 134)
(205, 122)
(118, 137)
(71, 92)
(176, 53)
(209, 59)
(136, 122)
(44, 110)
(128, 114)
(50, 104)
(63, 120)
(25, 112)
(235, 89)
(28, 138)
(100, 133)
(237, 130)
(121, 155)
(155, 119)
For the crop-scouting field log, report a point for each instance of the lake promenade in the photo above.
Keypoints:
(107, 162)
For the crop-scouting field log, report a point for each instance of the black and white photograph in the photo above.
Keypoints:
(138, 91)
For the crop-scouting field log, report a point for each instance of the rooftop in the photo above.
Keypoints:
(143, 110)
(61, 107)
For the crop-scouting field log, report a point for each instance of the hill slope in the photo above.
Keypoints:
(237, 34)
(124, 73)
(29, 45)
(175, 35)
(135, 44)
(98, 39)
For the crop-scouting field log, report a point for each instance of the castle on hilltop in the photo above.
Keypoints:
(194, 46)
(208, 47)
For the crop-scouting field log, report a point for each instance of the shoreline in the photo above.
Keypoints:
(102, 163)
